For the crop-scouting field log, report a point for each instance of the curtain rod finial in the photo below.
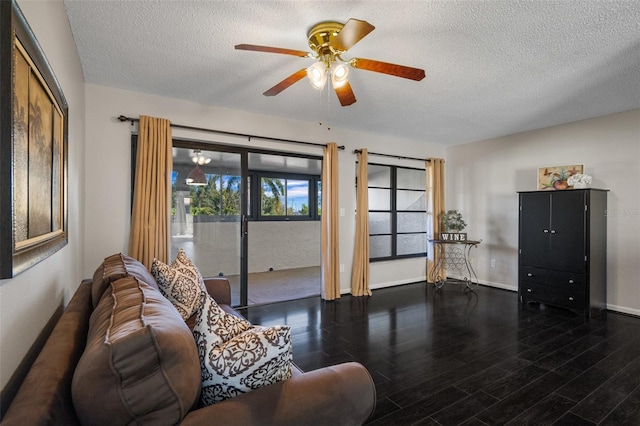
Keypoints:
(123, 118)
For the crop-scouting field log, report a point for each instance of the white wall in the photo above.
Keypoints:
(482, 179)
(284, 245)
(29, 300)
(108, 165)
(214, 246)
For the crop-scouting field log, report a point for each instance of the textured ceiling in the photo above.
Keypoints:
(493, 67)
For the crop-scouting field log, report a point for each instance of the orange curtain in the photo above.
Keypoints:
(360, 272)
(149, 237)
(435, 206)
(330, 241)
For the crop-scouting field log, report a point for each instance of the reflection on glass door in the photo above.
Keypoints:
(207, 212)
(284, 229)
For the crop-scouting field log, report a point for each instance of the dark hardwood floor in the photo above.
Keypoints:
(452, 357)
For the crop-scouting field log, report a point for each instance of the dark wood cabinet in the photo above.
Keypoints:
(563, 249)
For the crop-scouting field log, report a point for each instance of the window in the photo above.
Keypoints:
(397, 212)
(286, 197)
(219, 199)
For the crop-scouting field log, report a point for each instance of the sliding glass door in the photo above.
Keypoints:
(221, 194)
(208, 211)
(284, 228)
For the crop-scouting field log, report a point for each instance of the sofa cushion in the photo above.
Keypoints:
(140, 364)
(115, 267)
(181, 285)
(236, 364)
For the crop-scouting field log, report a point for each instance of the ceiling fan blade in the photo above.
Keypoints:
(287, 82)
(345, 94)
(269, 49)
(352, 32)
(416, 74)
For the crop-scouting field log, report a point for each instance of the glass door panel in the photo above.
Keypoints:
(207, 210)
(284, 231)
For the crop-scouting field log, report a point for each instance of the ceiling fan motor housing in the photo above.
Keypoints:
(321, 37)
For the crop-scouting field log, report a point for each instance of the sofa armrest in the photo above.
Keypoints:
(342, 394)
(45, 395)
(220, 289)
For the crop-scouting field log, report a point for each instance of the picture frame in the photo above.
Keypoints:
(33, 149)
(553, 178)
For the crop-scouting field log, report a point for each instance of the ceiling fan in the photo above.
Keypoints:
(328, 41)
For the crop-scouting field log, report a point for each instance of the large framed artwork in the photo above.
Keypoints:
(555, 177)
(33, 149)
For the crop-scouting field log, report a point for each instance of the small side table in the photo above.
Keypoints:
(454, 257)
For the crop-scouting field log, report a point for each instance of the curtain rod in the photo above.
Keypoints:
(358, 151)
(124, 118)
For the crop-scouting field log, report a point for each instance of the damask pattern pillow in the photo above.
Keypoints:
(235, 364)
(181, 286)
(216, 325)
(184, 264)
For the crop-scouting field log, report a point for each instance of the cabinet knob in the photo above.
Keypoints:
(553, 231)
(529, 290)
(570, 298)
(570, 281)
(546, 231)
(529, 274)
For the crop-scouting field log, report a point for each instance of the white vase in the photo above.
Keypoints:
(579, 185)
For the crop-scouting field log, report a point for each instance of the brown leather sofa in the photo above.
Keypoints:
(342, 394)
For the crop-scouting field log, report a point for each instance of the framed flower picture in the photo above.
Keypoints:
(555, 177)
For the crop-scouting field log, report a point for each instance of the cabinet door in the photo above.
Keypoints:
(568, 232)
(534, 228)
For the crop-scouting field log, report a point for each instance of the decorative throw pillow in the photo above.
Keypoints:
(257, 357)
(181, 286)
(215, 325)
(184, 264)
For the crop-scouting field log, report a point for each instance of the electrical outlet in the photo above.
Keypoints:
(493, 263)
(342, 267)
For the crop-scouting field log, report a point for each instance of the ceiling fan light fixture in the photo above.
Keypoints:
(199, 158)
(317, 74)
(339, 75)
(328, 40)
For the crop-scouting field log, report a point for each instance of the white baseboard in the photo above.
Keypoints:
(399, 282)
(500, 285)
(623, 310)
(387, 284)
(610, 307)
(492, 284)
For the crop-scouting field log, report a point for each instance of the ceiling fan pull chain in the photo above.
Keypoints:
(328, 109)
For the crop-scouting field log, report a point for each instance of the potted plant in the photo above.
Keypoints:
(452, 221)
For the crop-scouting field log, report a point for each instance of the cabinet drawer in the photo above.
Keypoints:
(553, 295)
(566, 280)
(532, 274)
